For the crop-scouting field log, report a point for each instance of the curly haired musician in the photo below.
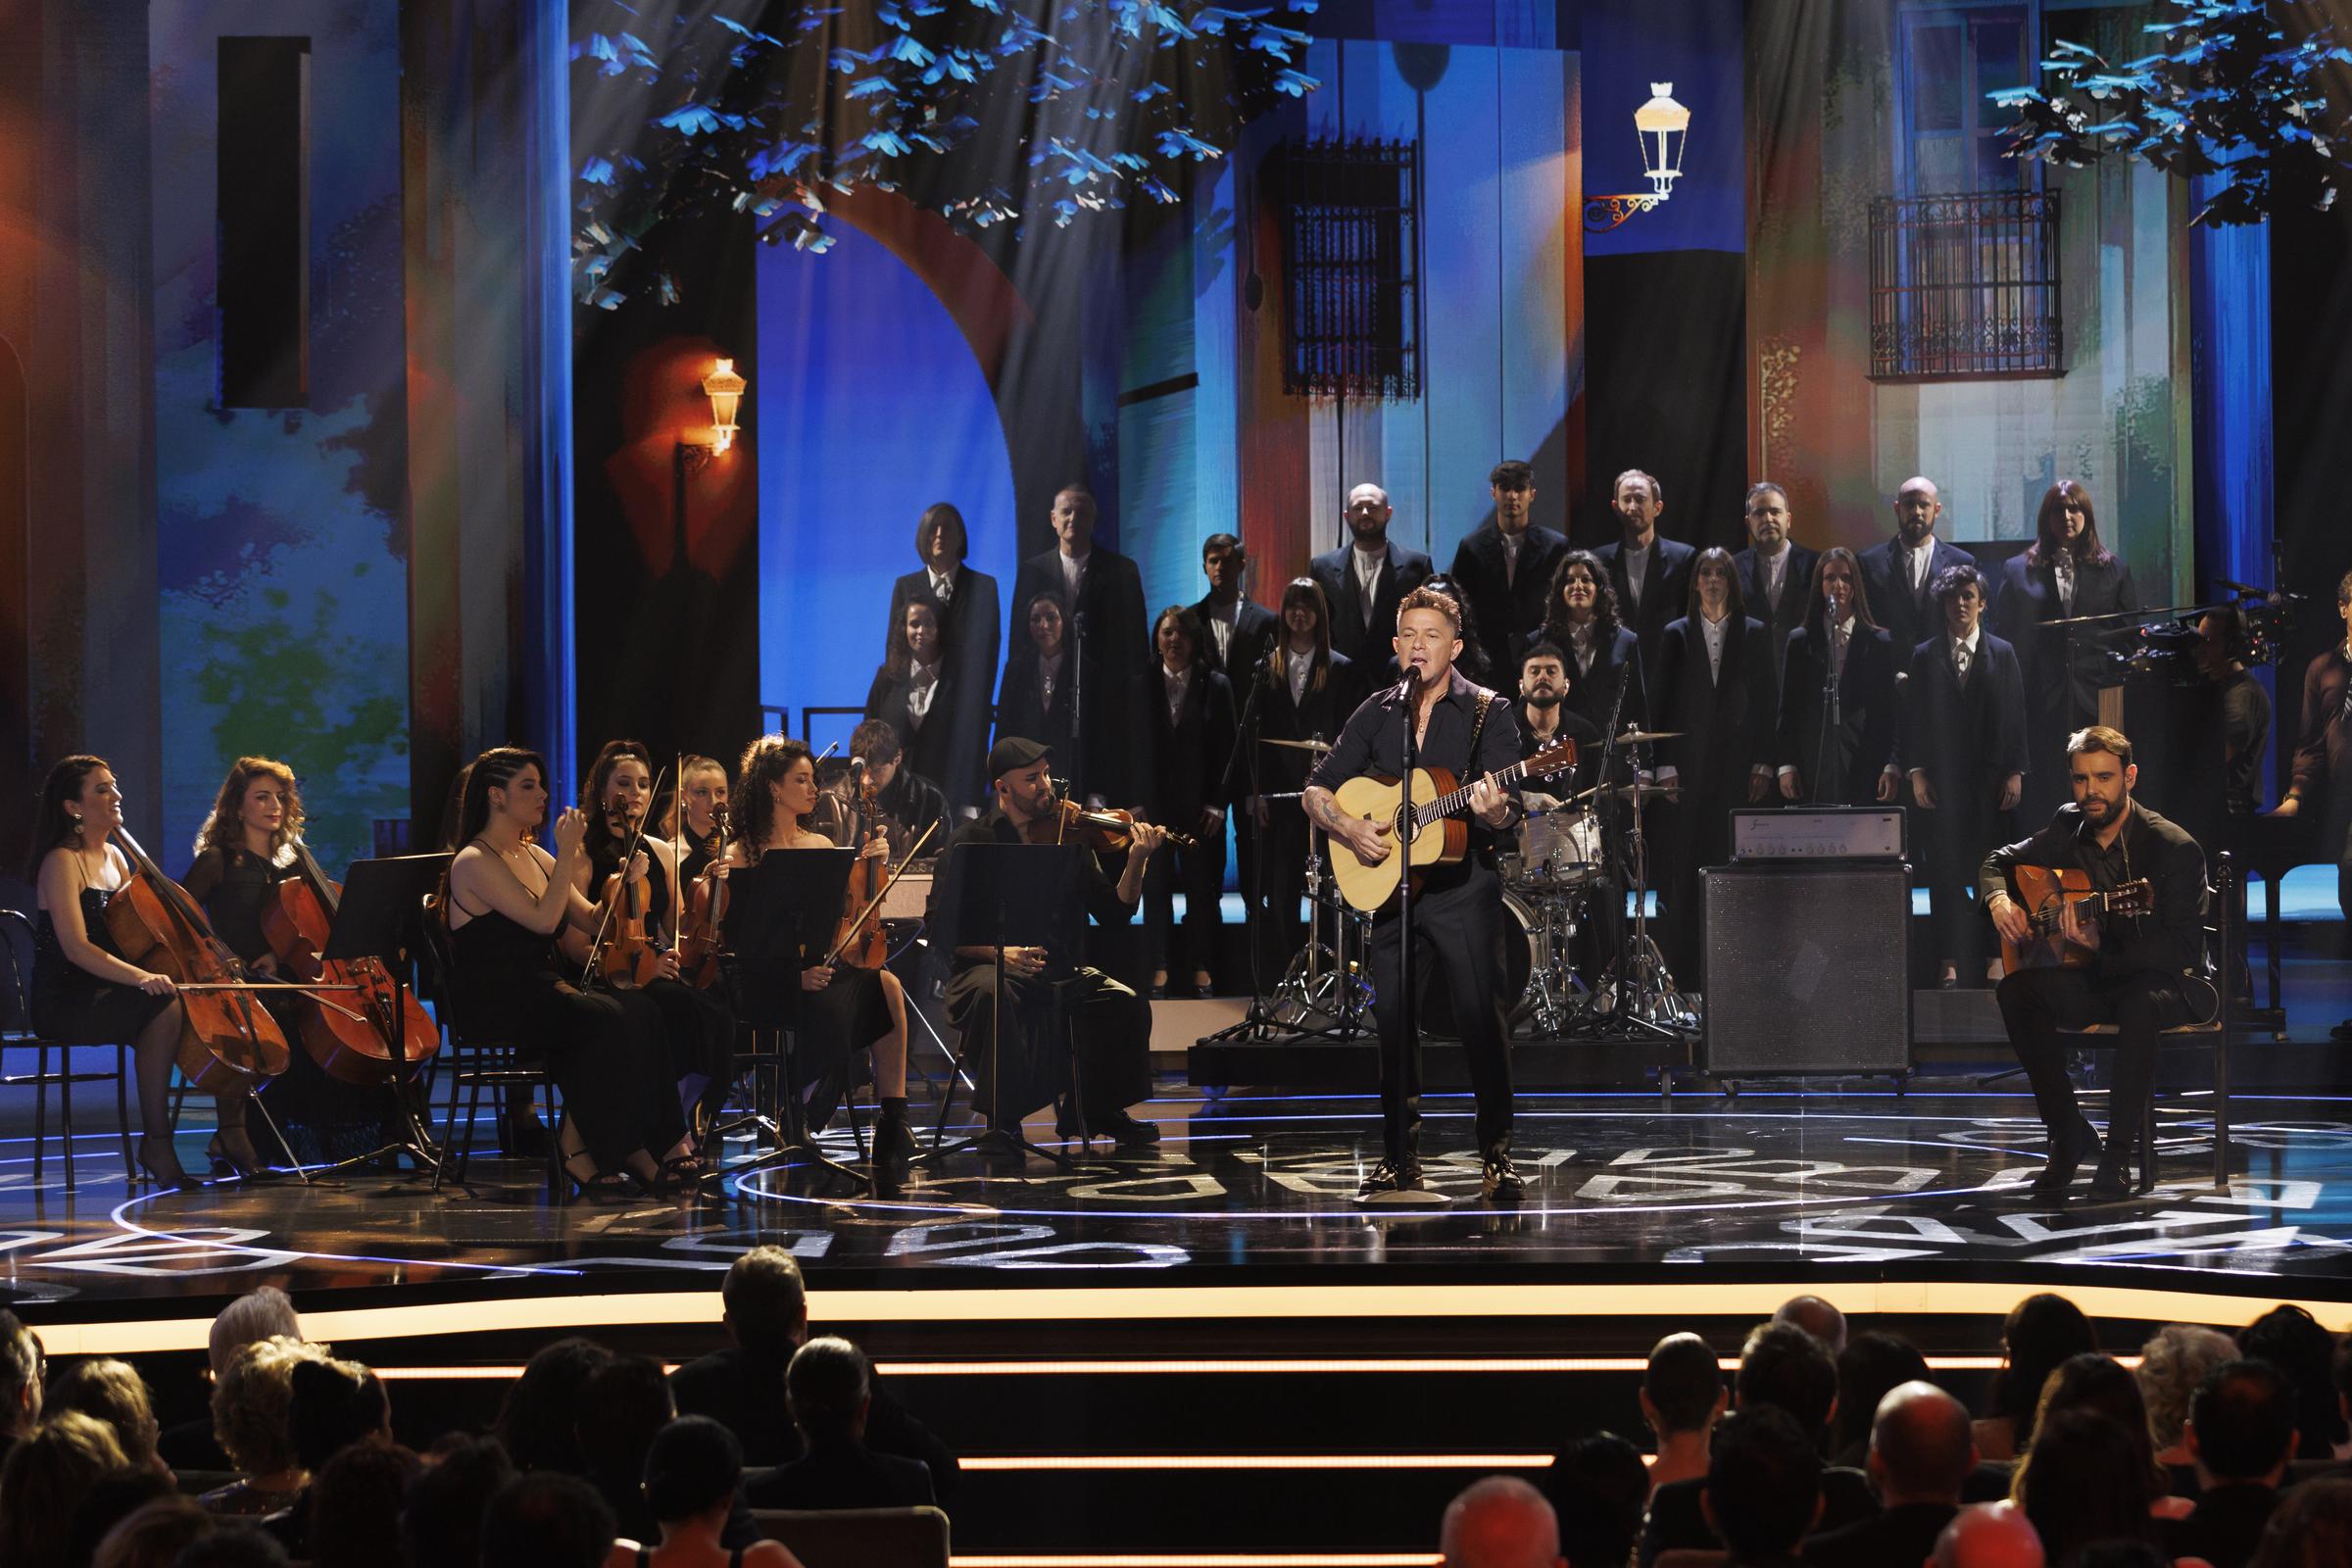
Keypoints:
(2136, 963)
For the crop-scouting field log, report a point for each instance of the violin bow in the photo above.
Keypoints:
(890, 882)
(603, 925)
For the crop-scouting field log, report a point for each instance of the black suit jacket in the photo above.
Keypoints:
(950, 747)
(1593, 693)
(744, 1392)
(974, 621)
(1318, 715)
(1255, 629)
(1022, 709)
(1725, 722)
(1796, 586)
(2166, 943)
(1114, 645)
(1675, 1519)
(2064, 693)
(1863, 740)
(1367, 642)
(841, 1476)
(1182, 766)
(1506, 608)
(1966, 738)
(1909, 618)
(1666, 589)
(1901, 1537)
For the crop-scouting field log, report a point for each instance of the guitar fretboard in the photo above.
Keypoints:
(1446, 804)
(2091, 907)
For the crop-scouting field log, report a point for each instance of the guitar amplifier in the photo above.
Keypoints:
(1808, 968)
(1820, 833)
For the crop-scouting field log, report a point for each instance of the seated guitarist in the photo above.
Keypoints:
(2135, 963)
(1457, 909)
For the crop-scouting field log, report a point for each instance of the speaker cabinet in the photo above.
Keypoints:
(1808, 968)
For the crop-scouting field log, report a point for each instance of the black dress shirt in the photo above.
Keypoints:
(1373, 742)
(2163, 943)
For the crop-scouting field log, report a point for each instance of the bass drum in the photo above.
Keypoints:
(1521, 930)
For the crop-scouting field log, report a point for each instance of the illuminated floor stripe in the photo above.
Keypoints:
(1220, 1559)
(1256, 1462)
(1329, 1366)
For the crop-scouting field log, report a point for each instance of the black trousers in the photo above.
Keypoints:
(1458, 943)
(1109, 1033)
(2035, 1003)
(1283, 844)
(1199, 874)
(1954, 839)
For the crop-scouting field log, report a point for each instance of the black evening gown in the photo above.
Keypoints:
(70, 1004)
(697, 1026)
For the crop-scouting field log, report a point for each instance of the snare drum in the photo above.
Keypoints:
(1557, 847)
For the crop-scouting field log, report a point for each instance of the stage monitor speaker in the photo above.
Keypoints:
(1808, 968)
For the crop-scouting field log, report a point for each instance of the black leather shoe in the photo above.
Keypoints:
(2067, 1154)
(893, 1140)
(1124, 1130)
(2113, 1181)
(1390, 1176)
(1499, 1178)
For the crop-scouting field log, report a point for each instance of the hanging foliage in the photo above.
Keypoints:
(987, 112)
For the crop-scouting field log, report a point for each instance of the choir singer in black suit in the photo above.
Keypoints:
(1364, 579)
(1837, 729)
(1239, 632)
(1898, 574)
(970, 625)
(1717, 699)
(1604, 656)
(2066, 572)
(1033, 700)
(1651, 572)
(1310, 690)
(1964, 750)
(1775, 572)
(930, 704)
(1105, 638)
(1182, 715)
(1505, 571)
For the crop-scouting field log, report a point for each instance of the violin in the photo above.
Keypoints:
(1103, 831)
(703, 911)
(227, 1040)
(860, 943)
(353, 1044)
(626, 956)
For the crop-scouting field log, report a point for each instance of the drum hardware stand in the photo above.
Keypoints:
(1304, 987)
(1636, 990)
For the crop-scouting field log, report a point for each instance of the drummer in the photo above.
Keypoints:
(1544, 718)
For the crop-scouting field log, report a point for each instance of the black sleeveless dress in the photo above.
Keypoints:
(836, 1023)
(74, 1005)
(698, 1025)
(605, 1045)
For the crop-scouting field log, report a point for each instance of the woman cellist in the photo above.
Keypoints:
(776, 796)
(83, 992)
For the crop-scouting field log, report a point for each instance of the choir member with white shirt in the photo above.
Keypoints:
(1651, 572)
(1182, 721)
(1364, 579)
(970, 625)
(2066, 573)
(1837, 727)
(1775, 572)
(930, 704)
(1311, 689)
(1899, 574)
(1103, 596)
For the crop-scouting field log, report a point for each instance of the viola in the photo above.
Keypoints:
(352, 1043)
(701, 910)
(1103, 831)
(860, 943)
(627, 958)
(228, 1041)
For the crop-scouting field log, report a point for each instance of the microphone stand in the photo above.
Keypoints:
(1832, 709)
(1259, 1022)
(1409, 1017)
(1078, 768)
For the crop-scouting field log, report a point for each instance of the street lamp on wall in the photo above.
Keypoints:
(725, 389)
(1664, 127)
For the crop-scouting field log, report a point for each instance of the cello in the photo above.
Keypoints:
(354, 1047)
(228, 1041)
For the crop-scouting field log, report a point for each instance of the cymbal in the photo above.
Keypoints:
(1298, 746)
(1623, 792)
(1637, 737)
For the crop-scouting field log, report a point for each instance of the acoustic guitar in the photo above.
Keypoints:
(2041, 892)
(1437, 798)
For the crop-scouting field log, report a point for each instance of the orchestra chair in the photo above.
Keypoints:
(859, 1538)
(473, 1063)
(2221, 896)
(17, 1033)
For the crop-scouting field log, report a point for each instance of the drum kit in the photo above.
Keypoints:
(1554, 876)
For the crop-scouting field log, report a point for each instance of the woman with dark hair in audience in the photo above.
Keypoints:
(546, 1520)
(2041, 1332)
(1310, 690)
(2291, 1340)
(539, 1423)
(2311, 1528)
(1598, 1488)
(112, 1499)
(1183, 724)
(2097, 1488)
(924, 696)
(504, 900)
(2066, 573)
(441, 1520)
(334, 1406)
(1837, 729)
(1872, 1365)
(45, 1479)
(153, 1535)
(693, 1478)
(1034, 700)
(356, 1506)
(2104, 1387)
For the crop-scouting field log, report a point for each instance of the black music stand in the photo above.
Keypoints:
(1013, 892)
(380, 916)
(783, 914)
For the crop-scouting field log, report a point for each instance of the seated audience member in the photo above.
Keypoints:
(1816, 1317)
(109, 1390)
(252, 1407)
(691, 1477)
(629, 1403)
(1920, 1455)
(1784, 1367)
(233, 1545)
(539, 1424)
(154, 1535)
(2172, 1364)
(48, 1473)
(1501, 1521)
(1872, 1363)
(21, 1372)
(1683, 1397)
(2294, 1341)
(2241, 1435)
(333, 1405)
(826, 1387)
(2339, 1370)
(742, 1387)
(1763, 1487)
(2312, 1527)
(1991, 1535)
(2101, 1386)
(2093, 1482)
(1597, 1491)
(355, 1504)
(2041, 1332)
(267, 1313)
(546, 1520)
(112, 1499)
(441, 1524)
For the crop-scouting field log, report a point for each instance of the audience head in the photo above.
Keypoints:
(355, 1504)
(1599, 1490)
(112, 1499)
(153, 1535)
(1501, 1521)
(546, 1520)
(48, 1473)
(2172, 1364)
(1921, 1449)
(2294, 1341)
(441, 1523)
(766, 1301)
(2311, 1528)
(267, 1313)
(1873, 1362)
(1763, 1487)
(622, 1404)
(1784, 1366)
(333, 1405)
(826, 1386)
(233, 1545)
(111, 1391)
(1991, 1535)
(2100, 1385)
(1816, 1317)
(253, 1404)
(2087, 1479)
(539, 1424)
(2241, 1422)
(1682, 1390)
(2041, 1332)
(692, 1469)
(21, 1372)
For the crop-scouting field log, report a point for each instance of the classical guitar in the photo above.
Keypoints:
(2041, 891)
(1437, 798)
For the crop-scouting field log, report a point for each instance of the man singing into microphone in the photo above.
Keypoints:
(1457, 909)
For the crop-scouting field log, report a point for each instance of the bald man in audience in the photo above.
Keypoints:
(1816, 1317)
(1920, 1452)
(1991, 1535)
(1501, 1521)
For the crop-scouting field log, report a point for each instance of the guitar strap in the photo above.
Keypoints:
(1477, 725)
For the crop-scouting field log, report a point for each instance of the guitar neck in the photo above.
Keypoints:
(1446, 804)
(2090, 907)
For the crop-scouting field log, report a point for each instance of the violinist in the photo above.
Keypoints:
(844, 1003)
(505, 900)
(697, 1026)
(700, 828)
(83, 992)
(1110, 1026)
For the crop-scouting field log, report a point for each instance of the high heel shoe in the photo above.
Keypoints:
(161, 1165)
(595, 1184)
(236, 1147)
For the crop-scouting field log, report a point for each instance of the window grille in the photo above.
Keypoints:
(1964, 286)
(1347, 248)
